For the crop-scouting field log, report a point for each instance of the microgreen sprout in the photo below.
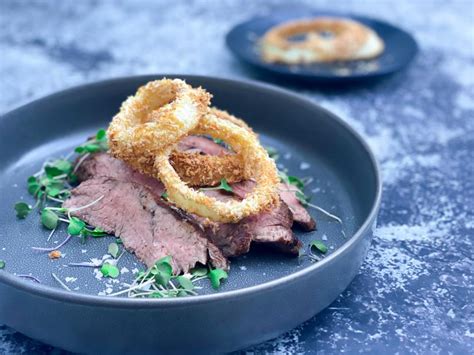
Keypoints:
(96, 144)
(216, 275)
(22, 209)
(60, 282)
(109, 270)
(224, 185)
(159, 281)
(318, 245)
(2, 264)
(113, 250)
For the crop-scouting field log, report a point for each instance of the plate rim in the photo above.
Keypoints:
(271, 68)
(59, 294)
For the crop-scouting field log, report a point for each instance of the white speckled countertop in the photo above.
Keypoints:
(414, 293)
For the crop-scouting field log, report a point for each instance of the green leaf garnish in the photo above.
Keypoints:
(185, 283)
(113, 250)
(224, 185)
(52, 171)
(164, 195)
(319, 246)
(64, 165)
(199, 272)
(96, 144)
(97, 233)
(217, 140)
(101, 135)
(80, 150)
(291, 180)
(22, 209)
(216, 275)
(163, 271)
(109, 270)
(49, 219)
(76, 226)
(2, 264)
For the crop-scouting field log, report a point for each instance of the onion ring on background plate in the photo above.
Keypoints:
(157, 116)
(324, 40)
(256, 163)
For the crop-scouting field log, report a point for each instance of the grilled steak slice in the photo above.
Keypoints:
(201, 145)
(147, 228)
(232, 239)
(272, 227)
(301, 217)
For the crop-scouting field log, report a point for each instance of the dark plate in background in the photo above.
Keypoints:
(266, 293)
(400, 49)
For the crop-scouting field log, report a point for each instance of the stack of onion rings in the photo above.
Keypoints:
(145, 134)
(323, 40)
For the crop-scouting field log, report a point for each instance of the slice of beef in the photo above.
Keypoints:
(272, 227)
(201, 145)
(301, 217)
(147, 228)
(104, 165)
(232, 239)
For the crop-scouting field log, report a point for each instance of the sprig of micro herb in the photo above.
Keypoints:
(96, 144)
(318, 245)
(113, 250)
(52, 184)
(314, 246)
(109, 270)
(224, 185)
(2, 264)
(218, 141)
(160, 282)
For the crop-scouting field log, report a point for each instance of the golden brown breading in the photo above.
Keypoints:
(196, 169)
(324, 40)
(255, 163)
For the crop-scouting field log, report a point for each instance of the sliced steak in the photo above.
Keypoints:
(301, 217)
(147, 228)
(233, 239)
(104, 165)
(272, 227)
(201, 145)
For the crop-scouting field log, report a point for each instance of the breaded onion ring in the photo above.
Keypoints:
(194, 168)
(256, 163)
(324, 40)
(157, 116)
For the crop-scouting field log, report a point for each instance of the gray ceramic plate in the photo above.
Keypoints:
(266, 293)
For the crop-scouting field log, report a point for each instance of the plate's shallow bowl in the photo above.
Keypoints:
(266, 293)
(400, 49)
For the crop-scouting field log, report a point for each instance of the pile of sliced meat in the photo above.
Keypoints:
(132, 208)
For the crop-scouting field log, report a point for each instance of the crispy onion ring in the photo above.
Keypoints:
(349, 40)
(194, 168)
(256, 163)
(157, 116)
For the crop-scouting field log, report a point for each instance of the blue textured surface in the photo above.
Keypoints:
(414, 293)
